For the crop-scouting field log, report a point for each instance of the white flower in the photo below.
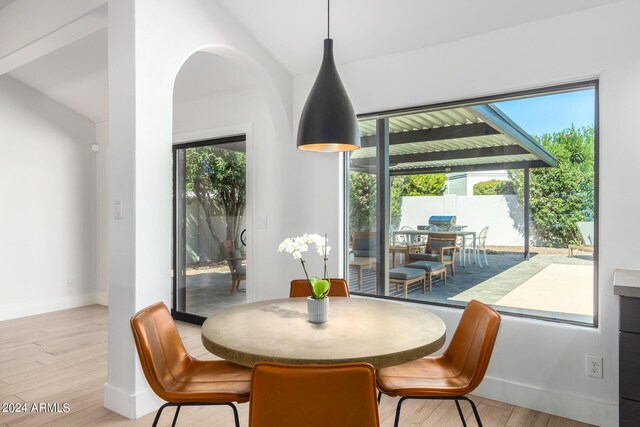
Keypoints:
(296, 246)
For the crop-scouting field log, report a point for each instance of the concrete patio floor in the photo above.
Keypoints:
(538, 287)
(505, 274)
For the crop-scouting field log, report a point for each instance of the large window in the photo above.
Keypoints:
(492, 199)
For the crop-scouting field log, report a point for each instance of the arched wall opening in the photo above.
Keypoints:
(144, 60)
(215, 105)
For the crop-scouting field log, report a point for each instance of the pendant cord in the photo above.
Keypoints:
(328, 20)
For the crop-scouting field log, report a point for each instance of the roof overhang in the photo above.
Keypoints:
(460, 139)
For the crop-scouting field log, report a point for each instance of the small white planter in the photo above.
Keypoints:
(318, 310)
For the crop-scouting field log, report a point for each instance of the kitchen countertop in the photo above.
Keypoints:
(626, 283)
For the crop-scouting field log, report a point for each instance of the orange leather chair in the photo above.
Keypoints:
(341, 395)
(177, 377)
(455, 373)
(300, 288)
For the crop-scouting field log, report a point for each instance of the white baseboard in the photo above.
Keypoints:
(102, 298)
(45, 306)
(572, 406)
(132, 406)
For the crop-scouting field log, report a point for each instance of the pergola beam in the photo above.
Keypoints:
(459, 168)
(434, 156)
(434, 134)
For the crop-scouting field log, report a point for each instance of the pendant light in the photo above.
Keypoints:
(328, 122)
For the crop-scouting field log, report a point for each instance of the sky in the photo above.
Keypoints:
(551, 113)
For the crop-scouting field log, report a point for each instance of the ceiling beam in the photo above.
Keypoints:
(471, 168)
(434, 156)
(29, 30)
(492, 114)
(460, 168)
(434, 134)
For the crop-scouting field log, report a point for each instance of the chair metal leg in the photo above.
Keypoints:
(464, 422)
(180, 405)
(157, 418)
(397, 421)
(454, 398)
(475, 410)
(235, 414)
(175, 417)
(379, 396)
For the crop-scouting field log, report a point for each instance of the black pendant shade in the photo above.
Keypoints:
(328, 121)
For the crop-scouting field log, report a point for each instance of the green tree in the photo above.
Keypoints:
(563, 195)
(362, 198)
(217, 177)
(493, 187)
(425, 185)
(362, 201)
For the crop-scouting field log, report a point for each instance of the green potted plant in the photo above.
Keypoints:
(318, 302)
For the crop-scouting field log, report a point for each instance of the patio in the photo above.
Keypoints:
(538, 287)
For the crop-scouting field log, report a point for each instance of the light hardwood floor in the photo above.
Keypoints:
(61, 357)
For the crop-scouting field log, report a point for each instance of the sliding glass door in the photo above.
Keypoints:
(209, 227)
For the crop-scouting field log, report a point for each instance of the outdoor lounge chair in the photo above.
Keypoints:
(441, 248)
(364, 244)
(586, 232)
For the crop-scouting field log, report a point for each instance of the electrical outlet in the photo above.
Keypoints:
(71, 282)
(594, 366)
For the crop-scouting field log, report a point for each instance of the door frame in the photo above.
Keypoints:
(205, 138)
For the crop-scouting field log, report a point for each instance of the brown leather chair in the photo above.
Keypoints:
(177, 377)
(300, 288)
(455, 373)
(341, 395)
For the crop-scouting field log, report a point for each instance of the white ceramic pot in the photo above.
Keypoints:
(318, 310)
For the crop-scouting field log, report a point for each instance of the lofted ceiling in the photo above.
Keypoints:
(292, 32)
(75, 75)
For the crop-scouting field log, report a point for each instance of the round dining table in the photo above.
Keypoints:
(369, 330)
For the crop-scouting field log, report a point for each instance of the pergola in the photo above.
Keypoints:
(457, 139)
(461, 139)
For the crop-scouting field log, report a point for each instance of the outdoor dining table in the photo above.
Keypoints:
(462, 233)
(358, 330)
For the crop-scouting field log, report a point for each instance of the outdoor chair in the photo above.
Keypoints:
(454, 374)
(364, 244)
(234, 260)
(402, 238)
(458, 242)
(441, 248)
(300, 288)
(177, 377)
(481, 246)
(340, 395)
(586, 232)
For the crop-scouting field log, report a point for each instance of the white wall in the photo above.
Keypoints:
(47, 220)
(103, 213)
(537, 364)
(148, 43)
(476, 212)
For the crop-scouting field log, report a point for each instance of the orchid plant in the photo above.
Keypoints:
(296, 246)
